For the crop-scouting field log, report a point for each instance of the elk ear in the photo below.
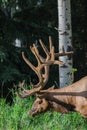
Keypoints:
(44, 104)
(41, 101)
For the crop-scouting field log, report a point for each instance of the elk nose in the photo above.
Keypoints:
(30, 113)
(33, 112)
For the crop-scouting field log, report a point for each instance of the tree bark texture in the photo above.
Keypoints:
(65, 41)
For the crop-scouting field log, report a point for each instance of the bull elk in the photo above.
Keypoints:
(63, 100)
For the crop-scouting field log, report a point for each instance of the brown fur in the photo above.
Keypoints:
(63, 100)
(42, 105)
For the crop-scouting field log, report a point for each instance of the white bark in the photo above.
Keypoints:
(64, 20)
(18, 42)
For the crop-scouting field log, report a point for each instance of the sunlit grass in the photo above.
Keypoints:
(16, 117)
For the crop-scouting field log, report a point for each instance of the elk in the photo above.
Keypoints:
(63, 100)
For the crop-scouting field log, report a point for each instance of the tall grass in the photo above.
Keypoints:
(16, 117)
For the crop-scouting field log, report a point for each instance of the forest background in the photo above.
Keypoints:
(27, 21)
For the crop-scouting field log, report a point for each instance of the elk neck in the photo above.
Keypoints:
(59, 96)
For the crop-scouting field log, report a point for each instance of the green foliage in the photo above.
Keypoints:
(16, 117)
(74, 70)
(26, 21)
(9, 74)
(8, 69)
(3, 54)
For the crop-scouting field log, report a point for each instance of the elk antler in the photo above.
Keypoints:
(42, 63)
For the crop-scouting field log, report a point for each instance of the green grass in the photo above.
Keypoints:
(16, 117)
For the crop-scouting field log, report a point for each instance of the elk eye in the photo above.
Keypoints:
(40, 101)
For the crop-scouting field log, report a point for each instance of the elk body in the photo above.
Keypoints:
(63, 100)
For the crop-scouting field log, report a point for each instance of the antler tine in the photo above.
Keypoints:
(35, 51)
(50, 42)
(28, 62)
(51, 48)
(45, 49)
(35, 69)
(46, 75)
(63, 53)
(52, 53)
(27, 93)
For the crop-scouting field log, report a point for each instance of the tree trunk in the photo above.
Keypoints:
(65, 36)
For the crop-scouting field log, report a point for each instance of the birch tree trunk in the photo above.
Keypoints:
(65, 36)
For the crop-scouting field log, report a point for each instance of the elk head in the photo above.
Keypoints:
(39, 106)
(42, 105)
